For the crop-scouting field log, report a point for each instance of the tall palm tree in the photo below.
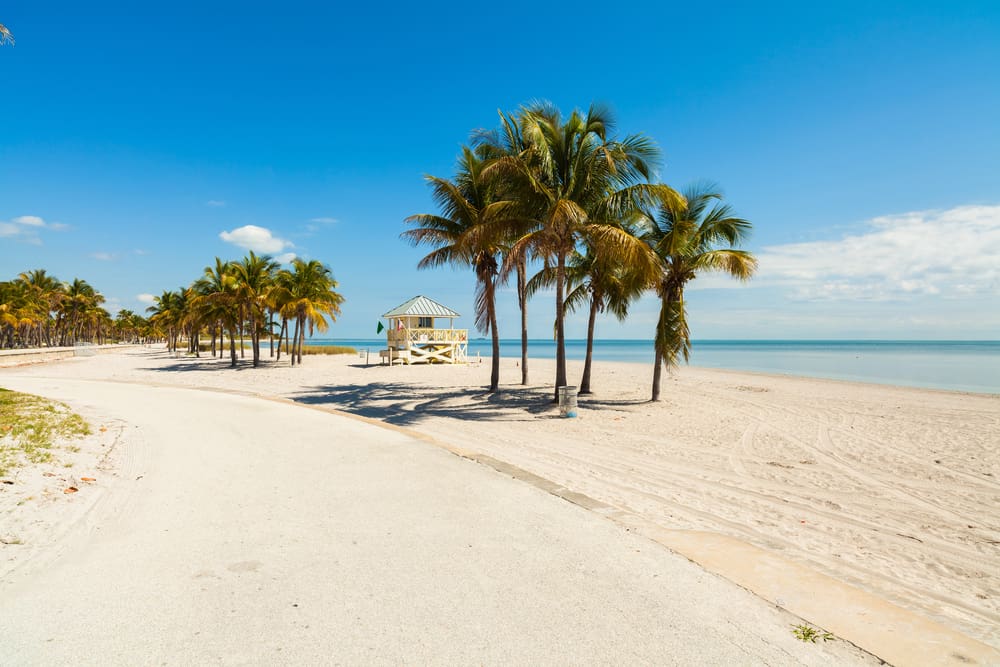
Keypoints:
(254, 276)
(218, 302)
(44, 294)
(461, 237)
(598, 282)
(508, 141)
(308, 295)
(692, 235)
(583, 182)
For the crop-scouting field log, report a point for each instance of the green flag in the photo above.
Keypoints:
(380, 327)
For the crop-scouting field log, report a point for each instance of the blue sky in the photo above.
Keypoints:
(861, 139)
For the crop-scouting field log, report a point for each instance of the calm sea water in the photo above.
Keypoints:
(956, 365)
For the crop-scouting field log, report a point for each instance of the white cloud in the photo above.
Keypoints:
(140, 251)
(104, 256)
(215, 203)
(258, 239)
(25, 228)
(285, 258)
(324, 221)
(947, 253)
(145, 298)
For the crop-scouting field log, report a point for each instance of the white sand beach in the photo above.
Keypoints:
(894, 491)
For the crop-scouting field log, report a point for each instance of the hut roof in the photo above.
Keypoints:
(421, 306)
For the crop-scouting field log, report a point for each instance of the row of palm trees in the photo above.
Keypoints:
(251, 298)
(37, 309)
(565, 194)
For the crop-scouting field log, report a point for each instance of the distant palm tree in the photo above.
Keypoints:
(461, 237)
(254, 277)
(690, 235)
(308, 295)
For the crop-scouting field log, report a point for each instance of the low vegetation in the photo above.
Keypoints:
(328, 349)
(30, 428)
(806, 633)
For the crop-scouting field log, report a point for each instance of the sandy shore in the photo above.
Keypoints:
(893, 490)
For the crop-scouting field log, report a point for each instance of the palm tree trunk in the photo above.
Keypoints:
(281, 333)
(302, 338)
(491, 309)
(657, 369)
(522, 302)
(295, 338)
(560, 329)
(585, 380)
(232, 348)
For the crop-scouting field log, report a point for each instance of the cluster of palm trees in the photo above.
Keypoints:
(253, 298)
(37, 309)
(565, 194)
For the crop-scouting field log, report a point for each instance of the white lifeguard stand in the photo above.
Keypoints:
(413, 338)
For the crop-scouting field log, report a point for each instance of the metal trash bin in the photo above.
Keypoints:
(567, 401)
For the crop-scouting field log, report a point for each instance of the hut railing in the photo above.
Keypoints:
(421, 335)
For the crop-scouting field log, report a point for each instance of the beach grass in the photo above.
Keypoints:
(30, 426)
(328, 349)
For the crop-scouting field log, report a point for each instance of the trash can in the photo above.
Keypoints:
(567, 401)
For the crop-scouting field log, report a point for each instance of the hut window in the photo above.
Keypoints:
(425, 322)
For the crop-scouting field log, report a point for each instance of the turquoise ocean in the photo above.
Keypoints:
(972, 366)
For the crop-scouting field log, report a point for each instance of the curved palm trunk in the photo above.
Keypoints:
(522, 302)
(560, 329)
(281, 334)
(595, 302)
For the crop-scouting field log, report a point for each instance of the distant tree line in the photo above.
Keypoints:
(247, 300)
(39, 310)
(564, 193)
(251, 299)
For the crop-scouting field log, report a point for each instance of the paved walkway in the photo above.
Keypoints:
(247, 531)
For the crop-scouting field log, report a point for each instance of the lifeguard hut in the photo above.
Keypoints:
(412, 336)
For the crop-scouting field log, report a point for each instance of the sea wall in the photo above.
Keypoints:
(40, 355)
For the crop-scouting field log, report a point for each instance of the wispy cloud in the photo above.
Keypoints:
(145, 298)
(140, 252)
(285, 258)
(215, 203)
(323, 221)
(26, 228)
(258, 239)
(104, 256)
(950, 253)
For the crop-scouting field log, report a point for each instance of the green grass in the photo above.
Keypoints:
(30, 426)
(806, 633)
(327, 349)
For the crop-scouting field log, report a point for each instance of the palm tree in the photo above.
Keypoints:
(44, 295)
(462, 237)
(583, 182)
(254, 276)
(5, 36)
(597, 280)
(691, 235)
(308, 294)
(508, 142)
(218, 302)
(168, 313)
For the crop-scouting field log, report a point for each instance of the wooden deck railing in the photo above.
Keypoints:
(419, 336)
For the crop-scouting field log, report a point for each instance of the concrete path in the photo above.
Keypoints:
(247, 531)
